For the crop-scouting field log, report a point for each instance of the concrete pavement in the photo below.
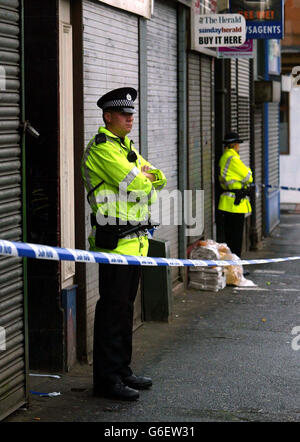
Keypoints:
(225, 356)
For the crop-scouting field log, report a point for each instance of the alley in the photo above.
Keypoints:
(225, 356)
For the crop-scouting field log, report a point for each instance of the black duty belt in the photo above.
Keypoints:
(240, 194)
(107, 236)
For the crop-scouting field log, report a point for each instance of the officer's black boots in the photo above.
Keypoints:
(117, 391)
(125, 389)
(137, 382)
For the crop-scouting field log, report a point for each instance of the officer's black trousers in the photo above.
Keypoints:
(233, 230)
(118, 286)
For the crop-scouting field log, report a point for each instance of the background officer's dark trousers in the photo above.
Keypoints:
(118, 286)
(233, 229)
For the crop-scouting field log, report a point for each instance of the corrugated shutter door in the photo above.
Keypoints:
(258, 171)
(110, 48)
(272, 172)
(200, 134)
(12, 359)
(194, 124)
(273, 131)
(233, 99)
(162, 104)
(238, 103)
(206, 136)
(110, 60)
(244, 109)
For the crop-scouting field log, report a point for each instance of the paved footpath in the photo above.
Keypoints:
(225, 356)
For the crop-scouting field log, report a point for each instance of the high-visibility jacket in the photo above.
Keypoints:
(234, 174)
(118, 189)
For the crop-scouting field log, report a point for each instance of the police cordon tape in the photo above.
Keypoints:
(39, 251)
(271, 186)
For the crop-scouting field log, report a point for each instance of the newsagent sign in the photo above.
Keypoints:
(214, 30)
(264, 18)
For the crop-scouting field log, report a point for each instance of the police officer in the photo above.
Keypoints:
(234, 202)
(121, 186)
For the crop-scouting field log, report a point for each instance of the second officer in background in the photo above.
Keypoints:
(234, 202)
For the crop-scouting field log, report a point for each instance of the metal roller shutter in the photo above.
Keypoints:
(200, 113)
(194, 123)
(110, 60)
(272, 169)
(12, 359)
(237, 80)
(162, 104)
(110, 49)
(273, 137)
(244, 109)
(206, 141)
(238, 103)
(232, 118)
(258, 169)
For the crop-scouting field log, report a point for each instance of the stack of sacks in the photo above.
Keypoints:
(206, 278)
(216, 278)
(233, 273)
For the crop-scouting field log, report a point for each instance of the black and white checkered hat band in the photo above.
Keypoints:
(118, 103)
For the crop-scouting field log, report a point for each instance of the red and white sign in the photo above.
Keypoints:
(243, 51)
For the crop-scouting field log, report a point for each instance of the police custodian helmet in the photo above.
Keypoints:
(232, 137)
(120, 99)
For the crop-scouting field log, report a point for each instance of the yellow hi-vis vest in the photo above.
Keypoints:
(106, 173)
(234, 174)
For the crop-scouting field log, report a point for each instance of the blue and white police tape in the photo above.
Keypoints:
(38, 251)
(271, 186)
